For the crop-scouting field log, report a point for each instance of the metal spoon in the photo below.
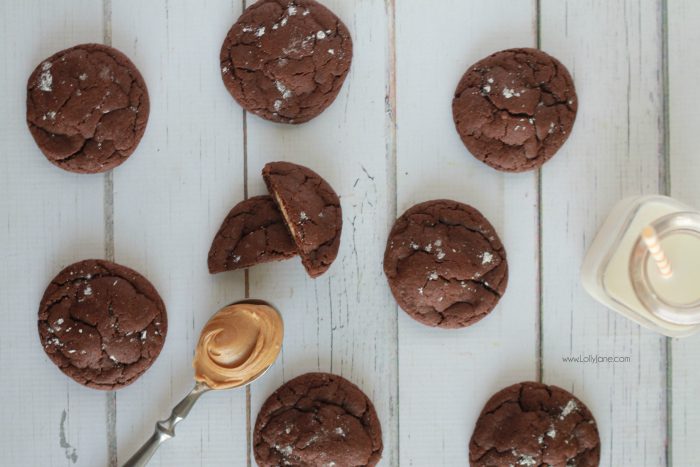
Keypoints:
(165, 429)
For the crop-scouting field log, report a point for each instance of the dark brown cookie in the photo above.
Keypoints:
(87, 108)
(102, 324)
(534, 424)
(286, 60)
(317, 419)
(253, 232)
(445, 264)
(312, 212)
(515, 109)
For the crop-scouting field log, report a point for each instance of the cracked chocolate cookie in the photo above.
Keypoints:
(252, 233)
(286, 61)
(315, 420)
(102, 324)
(515, 109)
(445, 264)
(311, 210)
(535, 425)
(87, 108)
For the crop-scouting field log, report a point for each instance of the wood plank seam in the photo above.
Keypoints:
(110, 397)
(538, 238)
(392, 176)
(248, 416)
(665, 188)
(248, 394)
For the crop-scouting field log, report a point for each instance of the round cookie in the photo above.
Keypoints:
(286, 61)
(311, 210)
(87, 108)
(102, 324)
(535, 424)
(515, 109)
(317, 419)
(445, 264)
(252, 233)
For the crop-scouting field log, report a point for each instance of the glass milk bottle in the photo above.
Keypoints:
(653, 279)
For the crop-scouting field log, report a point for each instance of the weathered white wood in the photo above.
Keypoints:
(684, 66)
(169, 201)
(343, 322)
(171, 196)
(446, 376)
(613, 51)
(49, 219)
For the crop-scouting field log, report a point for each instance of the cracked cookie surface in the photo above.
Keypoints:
(252, 233)
(87, 108)
(312, 212)
(445, 264)
(286, 61)
(102, 324)
(532, 424)
(515, 109)
(317, 420)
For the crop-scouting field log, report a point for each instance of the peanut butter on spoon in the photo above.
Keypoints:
(236, 346)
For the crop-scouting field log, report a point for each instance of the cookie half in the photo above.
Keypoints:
(102, 324)
(535, 424)
(311, 210)
(317, 419)
(445, 264)
(253, 232)
(87, 108)
(515, 109)
(286, 61)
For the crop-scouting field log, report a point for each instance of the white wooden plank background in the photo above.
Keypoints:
(613, 51)
(167, 206)
(445, 377)
(684, 174)
(385, 144)
(49, 218)
(344, 321)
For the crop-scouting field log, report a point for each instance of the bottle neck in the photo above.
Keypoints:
(674, 298)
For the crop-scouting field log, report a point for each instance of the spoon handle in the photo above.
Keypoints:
(165, 429)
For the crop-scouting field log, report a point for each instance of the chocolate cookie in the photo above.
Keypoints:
(311, 210)
(87, 108)
(535, 424)
(317, 419)
(102, 324)
(445, 264)
(286, 60)
(515, 109)
(252, 233)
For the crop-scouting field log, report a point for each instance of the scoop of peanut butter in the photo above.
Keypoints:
(237, 344)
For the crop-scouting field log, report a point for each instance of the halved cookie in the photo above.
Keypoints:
(252, 233)
(311, 210)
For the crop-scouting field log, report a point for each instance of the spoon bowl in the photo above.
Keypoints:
(165, 429)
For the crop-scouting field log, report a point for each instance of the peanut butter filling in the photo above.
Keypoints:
(237, 344)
